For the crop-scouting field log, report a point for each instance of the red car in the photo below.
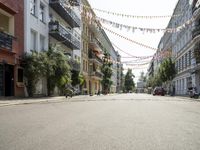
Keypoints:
(159, 91)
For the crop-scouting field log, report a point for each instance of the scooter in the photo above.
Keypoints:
(193, 93)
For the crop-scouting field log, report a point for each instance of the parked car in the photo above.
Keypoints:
(159, 91)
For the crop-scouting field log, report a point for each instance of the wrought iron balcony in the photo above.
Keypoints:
(65, 12)
(74, 65)
(6, 41)
(96, 74)
(195, 8)
(62, 34)
(92, 56)
(95, 45)
(196, 31)
(74, 2)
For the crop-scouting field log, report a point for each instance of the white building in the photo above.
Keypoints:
(185, 46)
(141, 87)
(36, 18)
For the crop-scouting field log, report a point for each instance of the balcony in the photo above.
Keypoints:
(196, 31)
(74, 2)
(95, 58)
(95, 45)
(74, 65)
(197, 53)
(66, 13)
(195, 8)
(96, 74)
(94, 27)
(6, 41)
(63, 35)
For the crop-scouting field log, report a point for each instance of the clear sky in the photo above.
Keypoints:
(140, 8)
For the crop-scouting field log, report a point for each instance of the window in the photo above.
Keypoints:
(83, 65)
(33, 7)
(186, 62)
(179, 65)
(189, 58)
(20, 75)
(86, 66)
(42, 13)
(182, 62)
(33, 40)
(42, 42)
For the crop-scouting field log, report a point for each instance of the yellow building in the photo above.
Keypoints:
(92, 51)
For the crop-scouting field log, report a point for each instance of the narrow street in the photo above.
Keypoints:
(112, 122)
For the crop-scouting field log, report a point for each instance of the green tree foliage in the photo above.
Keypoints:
(107, 73)
(129, 83)
(166, 73)
(57, 70)
(154, 81)
(167, 70)
(51, 64)
(33, 68)
(77, 78)
(142, 77)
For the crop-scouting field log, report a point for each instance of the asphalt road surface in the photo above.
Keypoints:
(113, 122)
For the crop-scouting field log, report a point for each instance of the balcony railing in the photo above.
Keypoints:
(93, 56)
(96, 74)
(194, 7)
(95, 45)
(74, 65)
(6, 41)
(62, 34)
(196, 31)
(65, 12)
(74, 2)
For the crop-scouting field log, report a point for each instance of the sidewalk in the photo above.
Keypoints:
(57, 99)
(18, 101)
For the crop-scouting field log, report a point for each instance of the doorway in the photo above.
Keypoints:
(9, 80)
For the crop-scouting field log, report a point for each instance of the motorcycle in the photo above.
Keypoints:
(70, 91)
(193, 92)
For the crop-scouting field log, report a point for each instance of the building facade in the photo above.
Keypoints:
(119, 74)
(107, 46)
(95, 43)
(64, 30)
(184, 46)
(11, 47)
(36, 33)
(185, 49)
(92, 58)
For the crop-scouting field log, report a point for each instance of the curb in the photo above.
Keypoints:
(54, 100)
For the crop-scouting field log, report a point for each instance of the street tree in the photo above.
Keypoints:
(167, 70)
(142, 77)
(107, 73)
(58, 71)
(33, 69)
(129, 84)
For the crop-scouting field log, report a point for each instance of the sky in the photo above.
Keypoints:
(139, 8)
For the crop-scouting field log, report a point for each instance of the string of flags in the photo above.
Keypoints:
(121, 14)
(130, 40)
(143, 64)
(145, 30)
